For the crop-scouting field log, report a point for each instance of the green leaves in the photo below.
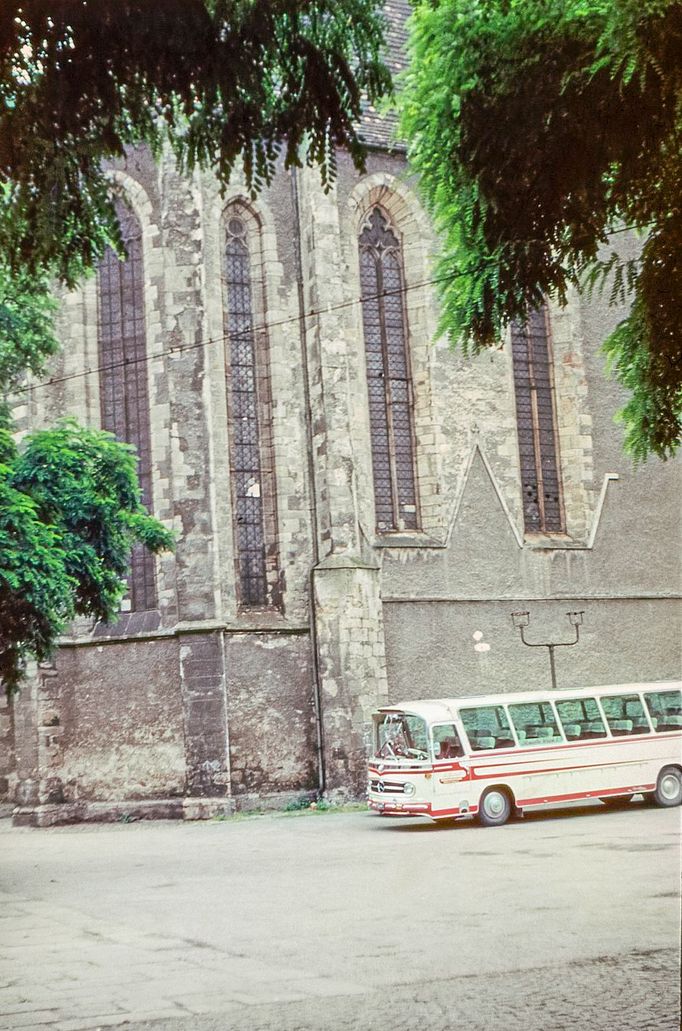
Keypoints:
(27, 336)
(222, 82)
(537, 126)
(70, 512)
(35, 589)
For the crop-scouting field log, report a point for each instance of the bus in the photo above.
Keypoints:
(496, 755)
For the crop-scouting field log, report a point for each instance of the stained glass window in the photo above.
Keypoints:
(534, 387)
(124, 397)
(388, 376)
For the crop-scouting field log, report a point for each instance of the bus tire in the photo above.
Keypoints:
(495, 807)
(669, 787)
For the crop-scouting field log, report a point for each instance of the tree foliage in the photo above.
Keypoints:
(540, 128)
(70, 508)
(27, 337)
(220, 80)
(70, 512)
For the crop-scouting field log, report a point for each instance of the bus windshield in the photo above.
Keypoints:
(400, 735)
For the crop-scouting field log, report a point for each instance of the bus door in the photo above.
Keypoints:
(450, 767)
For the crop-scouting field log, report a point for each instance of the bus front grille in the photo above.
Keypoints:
(386, 787)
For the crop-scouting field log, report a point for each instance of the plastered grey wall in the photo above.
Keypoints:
(432, 646)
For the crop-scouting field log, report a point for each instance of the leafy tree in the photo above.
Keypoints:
(540, 128)
(70, 512)
(27, 337)
(70, 508)
(220, 80)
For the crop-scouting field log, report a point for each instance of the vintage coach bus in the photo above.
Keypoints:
(496, 755)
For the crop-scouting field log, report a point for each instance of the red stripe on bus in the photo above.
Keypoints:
(574, 796)
(546, 799)
(550, 769)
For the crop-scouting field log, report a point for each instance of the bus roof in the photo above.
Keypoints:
(441, 709)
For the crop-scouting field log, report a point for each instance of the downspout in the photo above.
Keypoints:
(317, 682)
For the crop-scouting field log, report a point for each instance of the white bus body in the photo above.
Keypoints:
(493, 755)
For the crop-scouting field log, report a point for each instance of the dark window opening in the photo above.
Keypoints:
(388, 376)
(248, 475)
(124, 397)
(533, 384)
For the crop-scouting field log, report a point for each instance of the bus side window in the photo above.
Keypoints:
(535, 724)
(446, 743)
(624, 714)
(665, 709)
(581, 719)
(487, 727)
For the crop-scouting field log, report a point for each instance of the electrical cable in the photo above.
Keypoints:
(264, 326)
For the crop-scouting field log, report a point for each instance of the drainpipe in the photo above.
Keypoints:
(317, 683)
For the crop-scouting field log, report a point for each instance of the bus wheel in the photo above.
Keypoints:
(495, 807)
(668, 787)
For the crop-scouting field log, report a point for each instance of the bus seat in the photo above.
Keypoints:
(572, 731)
(593, 728)
(485, 742)
(544, 732)
(521, 735)
(504, 742)
(640, 725)
(621, 726)
(670, 722)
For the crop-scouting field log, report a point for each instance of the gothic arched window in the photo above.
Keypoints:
(251, 462)
(534, 388)
(124, 397)
(389, 381)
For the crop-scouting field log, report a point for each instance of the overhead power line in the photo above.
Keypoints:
(264, 326)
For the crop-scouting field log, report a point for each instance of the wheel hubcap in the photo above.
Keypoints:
(494, 805)
(670, 786)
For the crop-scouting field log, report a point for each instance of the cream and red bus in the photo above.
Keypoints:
(496, 755)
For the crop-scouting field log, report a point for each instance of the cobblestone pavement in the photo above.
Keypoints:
(563, 921)
(630, 993)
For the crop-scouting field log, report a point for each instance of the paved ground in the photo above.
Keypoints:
(345, 922)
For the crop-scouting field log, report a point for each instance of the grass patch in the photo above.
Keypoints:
(298, 807)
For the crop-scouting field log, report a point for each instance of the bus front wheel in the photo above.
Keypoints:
(668, 787)
(495, 808)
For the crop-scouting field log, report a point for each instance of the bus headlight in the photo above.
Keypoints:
(409, 788)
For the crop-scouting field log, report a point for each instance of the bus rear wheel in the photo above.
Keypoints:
(495, 808)
(668, 787)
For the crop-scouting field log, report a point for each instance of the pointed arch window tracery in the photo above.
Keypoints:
(389, 380)
(124, 394)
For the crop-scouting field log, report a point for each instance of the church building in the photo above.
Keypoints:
(358, 507)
